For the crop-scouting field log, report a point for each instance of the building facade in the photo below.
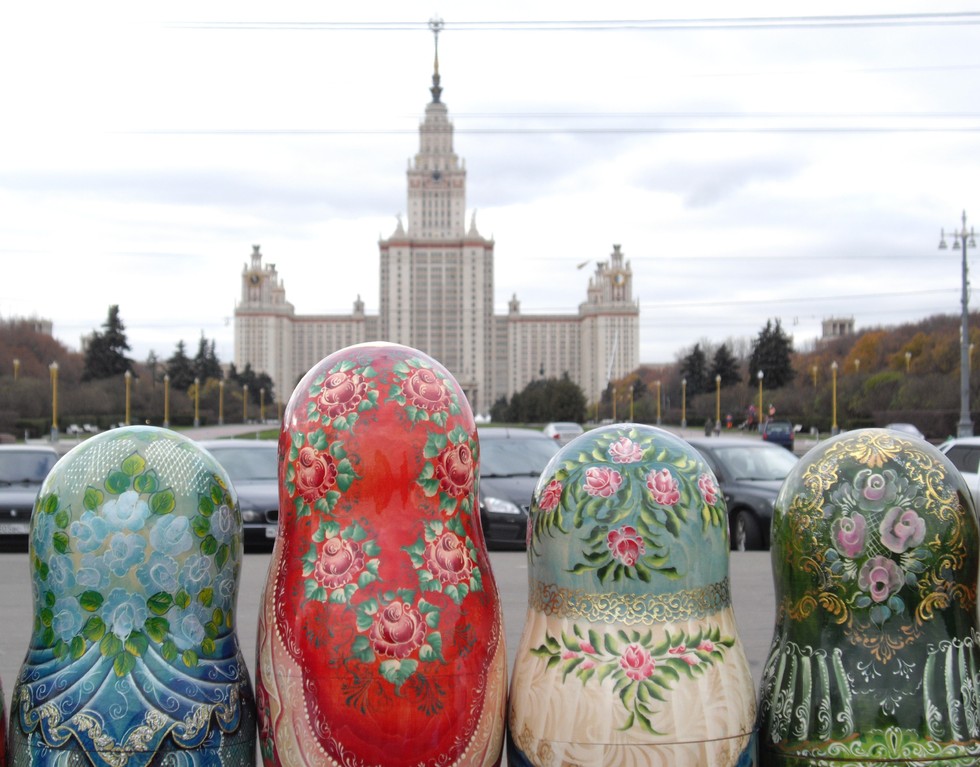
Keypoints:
(437, 295)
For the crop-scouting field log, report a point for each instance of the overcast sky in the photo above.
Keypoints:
(751, 166)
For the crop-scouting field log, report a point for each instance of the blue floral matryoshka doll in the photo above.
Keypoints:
(875, 658)
(135, 551)
(630, 653)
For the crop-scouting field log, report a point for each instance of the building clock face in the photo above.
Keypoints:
(254, 278)
(618, 278)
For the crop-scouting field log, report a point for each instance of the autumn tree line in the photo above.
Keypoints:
(907, 373)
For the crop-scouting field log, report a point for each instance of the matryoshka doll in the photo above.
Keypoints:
(135, 551)
(630, 654)
(875, 656)
(380, 631)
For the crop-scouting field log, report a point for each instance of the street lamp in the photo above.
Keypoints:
(244, 403)
(221, 402)
(53, 367)
(965, 426)
(262, 405)
(683, 403)
(658, 403)
(814, 371)
(197, 402)
(833, 398)
(631, 402)
(857, 367)
(166, 400)
(718, 403)
(908, 361)
(613, 395)
(129, 382)
(759, 375)
(16, 368)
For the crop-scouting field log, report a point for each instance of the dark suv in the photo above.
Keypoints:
(779, 433)
(22, 470)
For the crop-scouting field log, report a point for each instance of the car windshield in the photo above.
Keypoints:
(26, 467)
(515, 457)
(248, 463)
(756, 463)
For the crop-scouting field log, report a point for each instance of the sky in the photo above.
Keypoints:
(754, 160)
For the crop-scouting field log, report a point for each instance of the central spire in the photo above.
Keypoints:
(436, 24)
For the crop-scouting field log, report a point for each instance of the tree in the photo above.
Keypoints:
(542, 400)
(694, 368)
(772, 354)
(105, 356)
(725, 365)
(206, 364)
(180, 369)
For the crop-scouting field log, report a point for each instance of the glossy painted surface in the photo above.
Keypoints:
(135, 558)
(875, 656)
(380, 636)
(630, 654)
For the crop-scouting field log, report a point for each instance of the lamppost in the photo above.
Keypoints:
(658, 403)
(965, 426)
(833, 398)
(129, 382)
(759, 376)
(631, 402)
(613, 396)
(221, 402)
(857, 367)
(908, 361)
(718, 403)
(16, 368)
(53, 367)
(814, 371)
(262, 405)
(197, 402)
(244, 403)
(166, 400)
(683, 403)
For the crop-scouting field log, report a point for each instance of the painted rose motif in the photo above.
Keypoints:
(880, 577)
(397, 631)
(339, 563)
(876, 490)
(626, 545)
(124, 612)
(664, 487)
(127, 512)
(425, 390)
(454, 469)
(550, 496)
(172, 535)
(708, 488)
(342, 393)
(316, 473)
(849, 535)
(448, 560)
(625, 450)
(601, 481)
(637, 662)
(902, 529)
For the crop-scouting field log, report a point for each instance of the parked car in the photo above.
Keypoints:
(964, 454)
(779, 433)
(23, 468)
(750, 474)
(563, 432)
(511, 461)
(908, 428)
(253, 467)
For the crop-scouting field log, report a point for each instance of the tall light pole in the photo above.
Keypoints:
(221, 402)
(833, 398)
(908, 361)
(166, 400)
(759, 375)
(16, 368)
(962, 237)
(718, 403)
(197, 402)
(658, 403)
(262, 405)
(683, 403)
(814, 371)
(244, 403)
(129, 383)
(53, 367)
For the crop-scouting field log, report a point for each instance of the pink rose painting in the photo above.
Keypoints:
(601, 481)
(708, 488)
(625, 450)
(398, 630)
(902, 529)
(664, 487)
(425, 390)
(454, 470)
(880, 577)
(342, 393)
(848, 535)
(339, 562)
(626, 545)
(447, 559)
(637, 662)
(316, 473)
(551, 496)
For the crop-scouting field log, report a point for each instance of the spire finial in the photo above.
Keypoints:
(436, 24)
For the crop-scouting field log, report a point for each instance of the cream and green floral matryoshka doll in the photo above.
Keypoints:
(630, 654)
(135, 551)
(875, 656)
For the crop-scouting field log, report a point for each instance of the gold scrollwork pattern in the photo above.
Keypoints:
(630, 609)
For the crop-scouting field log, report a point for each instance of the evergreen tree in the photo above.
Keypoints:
(694, 367)
(725, 365)
(180, 369)
(105, 356)
(772, 354)
(543, 400)
(206, 364)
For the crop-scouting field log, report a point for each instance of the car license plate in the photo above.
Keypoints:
(271, 532)
(14, 528)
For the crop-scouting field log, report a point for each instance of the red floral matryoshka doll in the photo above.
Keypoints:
(380, 631)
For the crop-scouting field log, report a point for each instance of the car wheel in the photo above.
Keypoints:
(746, 535)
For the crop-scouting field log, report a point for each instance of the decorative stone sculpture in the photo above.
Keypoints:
(380, 630)
(630, 653)
(135, 549)
(875, 656)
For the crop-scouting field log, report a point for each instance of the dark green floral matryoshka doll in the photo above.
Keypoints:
(135, 551)
(875, 657)
(630, 655)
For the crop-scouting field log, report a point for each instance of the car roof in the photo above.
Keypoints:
(509, 432)
(241, 443)
(961, 441)
(31, 448)
(732, 442)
